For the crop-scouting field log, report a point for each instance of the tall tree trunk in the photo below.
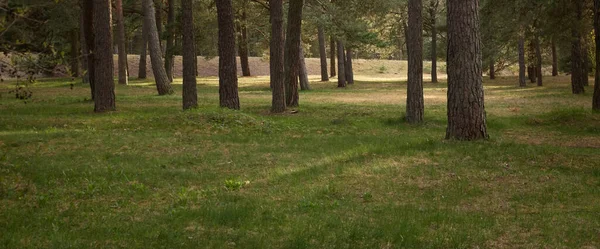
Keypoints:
(522, 80)
(434, 78)
(332, 48)
(414, 100)
(278, 104)
(228, 81)
(143, 51)
(169, 51)
(88, 26)
(292, 52)
(74, 53)
(243, 43)
(302, 73)
(466, 110)
(492, 69)
(586, 62)
(578, 72)
(83, 49)
(323, 54)
(538, 61)
(121, 43)
(159, 23)
(103, 59)
(531, 73)
(596, 100)
(554, 59)
(190, 92)
(160, 76)
(348, 68)
(341, 64)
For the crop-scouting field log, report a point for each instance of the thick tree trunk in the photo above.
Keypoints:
(466, 110)
(228, 81)
(323, 54)
(434, 78)
(341, 64)
(492, 69)
(190, 92)
(88, 26)
(414, 100)
(554, 59)
(159, 23)
(243, 44)
(538, 61)
(596, 99)
(143, 52)
(103, 59)
(121, 43)
(348, 68)
(578, 71)
(292, 52)
(85, 77)
(163, 84)
(277, 58)
(302, 73)
(522, 80)
(332, 45)
(74, 54)
(169, 51)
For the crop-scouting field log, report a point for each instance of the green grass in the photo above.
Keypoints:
(344, 172)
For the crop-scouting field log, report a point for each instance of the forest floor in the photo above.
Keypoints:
(343, 172)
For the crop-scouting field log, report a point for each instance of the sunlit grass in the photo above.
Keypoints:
(344, 172)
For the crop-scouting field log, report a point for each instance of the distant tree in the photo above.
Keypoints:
(322, 53)
(277, 57)
(579, 76)
(538, 59)
(302, 73)
(333, 55)
(414, 99)
(341, 65)
(292, 52)
(190, 92)
(170, 34)
(596, 100)
(121, 42)
(228, 81)
(432, 11)
(522, 80)
(243, 39)
(88, 30)
(466, 111)
(554, 58)
(348, 67)
(163, 84)
(143, 51)
(103, 59)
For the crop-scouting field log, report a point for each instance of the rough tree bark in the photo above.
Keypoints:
(466, 110)
(143, 52)
(323, 54)
(348, 69)
(302, 73)
(554, 59)
(277, 59)
(596, 98)
(332, 48)
(103, 59)
(578, 71)
(121, 43)
(169, 50)
(522, 80)
(88, 27)
(190, 91)
(160, 76)
(538, 61)
(341, 65)
(292, 52)
(228, 81)
(414, 99)
(243, 42)
(158, 18)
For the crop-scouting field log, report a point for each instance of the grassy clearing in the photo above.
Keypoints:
(345, 172)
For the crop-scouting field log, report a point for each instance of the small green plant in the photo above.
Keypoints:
(383, 69)
(234, 185)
